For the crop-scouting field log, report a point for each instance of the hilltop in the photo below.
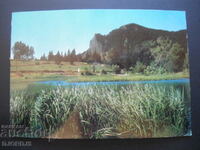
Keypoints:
(133, 43)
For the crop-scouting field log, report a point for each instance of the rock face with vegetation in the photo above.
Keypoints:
(133, 44)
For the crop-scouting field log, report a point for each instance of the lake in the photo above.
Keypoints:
(64, 83)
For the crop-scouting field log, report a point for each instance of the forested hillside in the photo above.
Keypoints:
(135, 46)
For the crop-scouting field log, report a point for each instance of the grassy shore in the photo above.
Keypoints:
(21, 83)
(130, 77)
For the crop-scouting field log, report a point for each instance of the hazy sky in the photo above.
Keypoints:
(68, 29)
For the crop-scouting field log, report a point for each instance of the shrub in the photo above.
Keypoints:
(116, 69)
(88, 73)
(37, 63)
(103, 71)
(138, 68)
(153, 68)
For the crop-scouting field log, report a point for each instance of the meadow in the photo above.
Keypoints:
(24, 73)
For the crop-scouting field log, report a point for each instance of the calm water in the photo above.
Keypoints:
(64, 83)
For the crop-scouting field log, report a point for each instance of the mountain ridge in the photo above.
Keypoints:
(129, 39)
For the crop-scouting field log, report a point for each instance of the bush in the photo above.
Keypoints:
(103, 71)
(88, 73)
(138, 68)
(58, 62)
(116, 69)
(37, 63)
(154, 69)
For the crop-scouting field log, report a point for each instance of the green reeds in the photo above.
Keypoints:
(133, 111)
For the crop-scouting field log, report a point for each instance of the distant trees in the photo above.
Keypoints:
(91, 57)
(70, 56)
(21, 51)
(51, 56)
(58, 58)
(162, 53)
(43, 57)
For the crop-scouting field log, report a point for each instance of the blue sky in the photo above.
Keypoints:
(68, 29)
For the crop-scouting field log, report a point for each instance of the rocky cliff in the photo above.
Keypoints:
(128, 41)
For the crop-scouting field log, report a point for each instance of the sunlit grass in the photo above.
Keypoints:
(130, 77)
(52, 66)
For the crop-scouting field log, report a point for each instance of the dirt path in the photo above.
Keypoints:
(61, 72)
(71, 129)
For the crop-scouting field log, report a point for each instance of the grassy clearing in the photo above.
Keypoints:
(51, 66)
(125, 111)
(130, 77)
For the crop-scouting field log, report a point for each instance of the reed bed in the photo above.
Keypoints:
(108, 111)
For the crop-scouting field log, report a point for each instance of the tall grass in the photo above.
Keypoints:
(134, 111)
(106, 111)
(52, 108)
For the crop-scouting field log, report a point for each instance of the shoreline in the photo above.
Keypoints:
(22, 83)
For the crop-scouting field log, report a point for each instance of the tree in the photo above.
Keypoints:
(21, 51)
(79, 58)
(43, 57)
(65, 57)
(168, 55)
(72, 57)
(161, 52)
(50, 56)
(58, 58)
(177, 57)
(30, 53)
(68, 58)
